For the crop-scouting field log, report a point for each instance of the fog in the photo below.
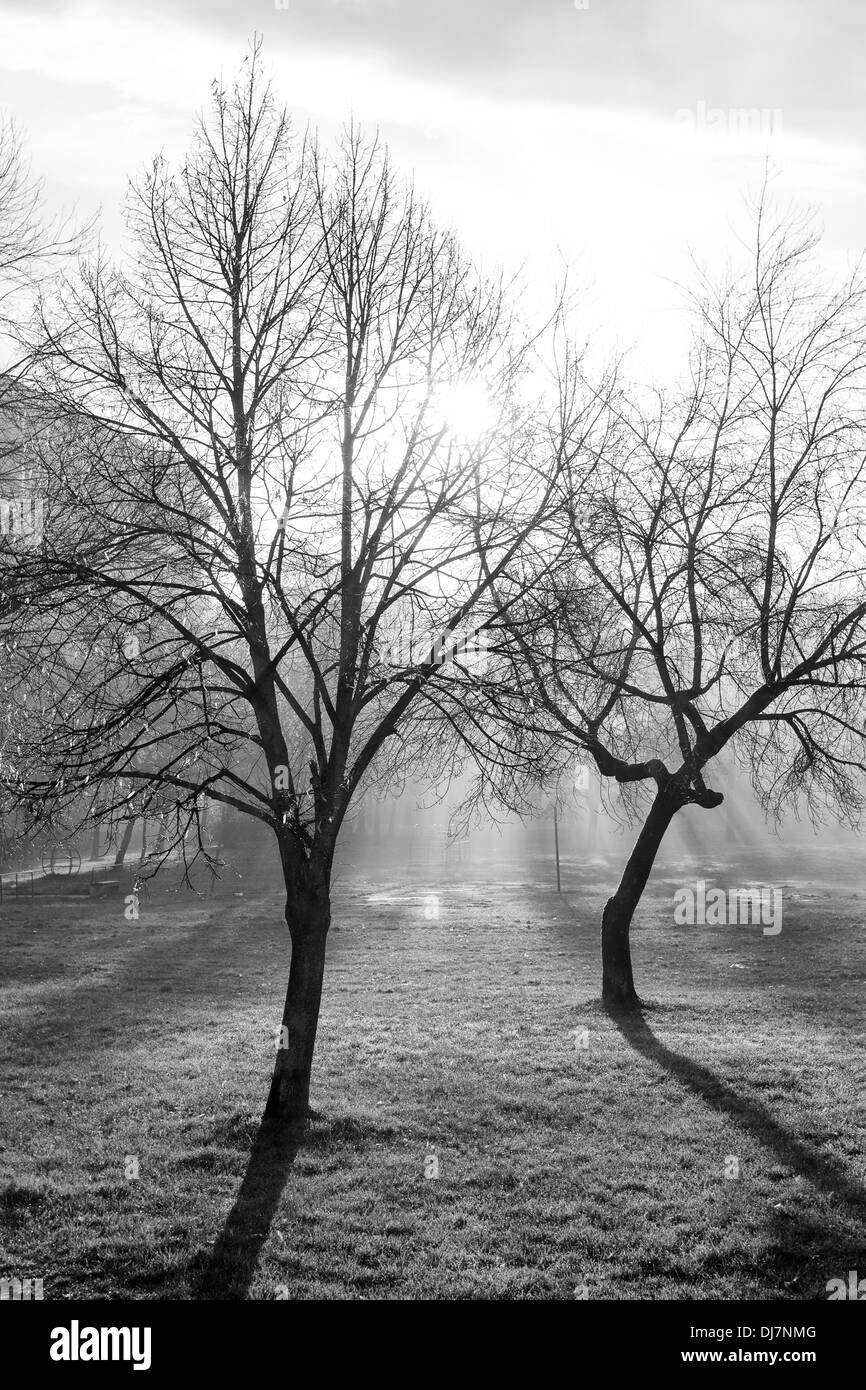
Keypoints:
(411, 839)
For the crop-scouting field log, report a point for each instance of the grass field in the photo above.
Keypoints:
(577, 1156)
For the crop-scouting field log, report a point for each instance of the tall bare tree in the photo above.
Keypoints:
(325, 426)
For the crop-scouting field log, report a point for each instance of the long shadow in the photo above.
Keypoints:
(229, 1267)
(824, 1173)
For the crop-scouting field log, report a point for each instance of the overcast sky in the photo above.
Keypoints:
(540, 130)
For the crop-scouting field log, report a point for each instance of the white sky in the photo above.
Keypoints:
(544, 133)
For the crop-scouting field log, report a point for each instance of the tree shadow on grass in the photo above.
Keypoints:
(229, 1268)
(822, 1172)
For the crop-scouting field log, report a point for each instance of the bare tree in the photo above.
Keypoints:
(28, 244)
(33, 247)
(325, 427)
(32, 243)
(704, 587)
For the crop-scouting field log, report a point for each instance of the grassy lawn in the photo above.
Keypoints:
(575, 1155)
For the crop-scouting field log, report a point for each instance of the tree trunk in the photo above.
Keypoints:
(289, 1097)
(617, 980)
(124, 844)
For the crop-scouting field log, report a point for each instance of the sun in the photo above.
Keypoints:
(467, 409)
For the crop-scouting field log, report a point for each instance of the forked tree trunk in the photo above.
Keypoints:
(617, 980)
(289, 1097)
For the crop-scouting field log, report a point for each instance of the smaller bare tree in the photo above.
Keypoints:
(704, 585)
